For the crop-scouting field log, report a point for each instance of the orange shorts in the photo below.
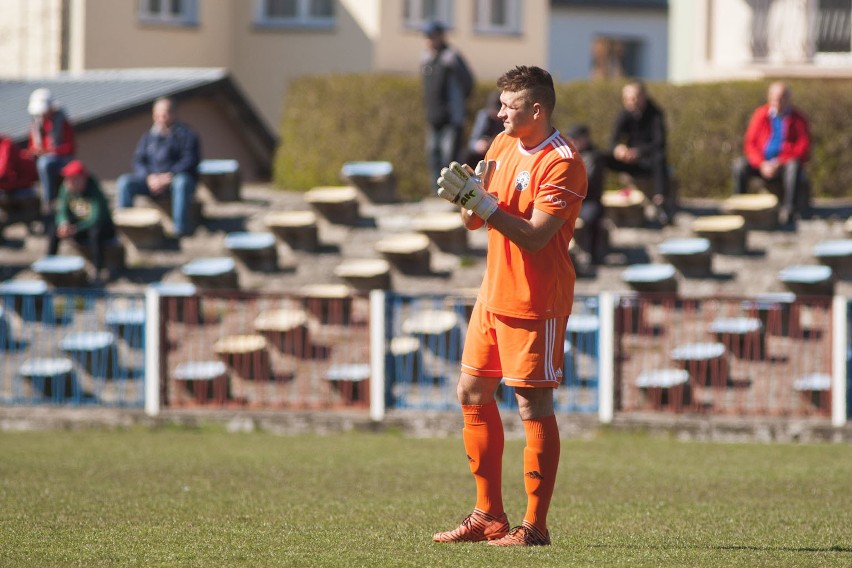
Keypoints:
(524, 352)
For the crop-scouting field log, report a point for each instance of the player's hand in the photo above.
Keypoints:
(458, 185)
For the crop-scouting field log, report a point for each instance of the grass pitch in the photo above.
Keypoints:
(175, 497)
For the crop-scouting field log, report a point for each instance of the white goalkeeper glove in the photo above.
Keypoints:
(458, 185)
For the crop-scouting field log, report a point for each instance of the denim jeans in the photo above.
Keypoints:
(442, 147)
(182, 191)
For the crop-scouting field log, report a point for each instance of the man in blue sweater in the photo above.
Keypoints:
(166, 160)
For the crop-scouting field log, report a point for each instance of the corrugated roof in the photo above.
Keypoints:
(93, 95)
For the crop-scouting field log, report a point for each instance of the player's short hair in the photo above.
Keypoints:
(536, 81)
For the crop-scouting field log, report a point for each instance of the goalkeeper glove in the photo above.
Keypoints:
(458, 186)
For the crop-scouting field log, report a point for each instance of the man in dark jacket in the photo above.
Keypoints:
(776, 146)
(447, 82)
(638, 146)
(166, 160)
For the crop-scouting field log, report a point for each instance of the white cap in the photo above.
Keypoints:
(40, 102)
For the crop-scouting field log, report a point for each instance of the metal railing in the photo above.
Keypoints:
(71, 347)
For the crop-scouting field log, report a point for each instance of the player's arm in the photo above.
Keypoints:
(530, 234)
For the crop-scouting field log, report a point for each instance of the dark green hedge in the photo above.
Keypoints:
(329, 120)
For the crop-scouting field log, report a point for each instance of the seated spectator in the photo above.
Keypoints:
(82, 213)
(166, 160)
(638, 146)
(776, 145)
(17, 168)
(592, 211)
(51, 145)
(486, 126)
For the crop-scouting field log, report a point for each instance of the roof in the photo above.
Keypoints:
(625, 4)
(96, 96)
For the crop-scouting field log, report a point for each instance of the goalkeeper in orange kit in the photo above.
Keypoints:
(528, 190)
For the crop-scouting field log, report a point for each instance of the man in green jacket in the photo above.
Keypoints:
(82, 213)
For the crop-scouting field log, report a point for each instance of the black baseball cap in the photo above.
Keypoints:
(434, 27)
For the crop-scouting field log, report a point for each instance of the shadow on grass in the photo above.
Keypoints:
(754, 548)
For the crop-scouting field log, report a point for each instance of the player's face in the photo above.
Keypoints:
(517, 113)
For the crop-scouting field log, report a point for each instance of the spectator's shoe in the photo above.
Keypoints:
(524, 535)
(476, 527)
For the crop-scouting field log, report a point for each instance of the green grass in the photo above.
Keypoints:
(174, 497)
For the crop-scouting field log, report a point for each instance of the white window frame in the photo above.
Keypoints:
(483, 19)
(187, 17)
(415, 18)
(303, 18)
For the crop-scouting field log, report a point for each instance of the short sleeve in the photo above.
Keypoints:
(563, 188)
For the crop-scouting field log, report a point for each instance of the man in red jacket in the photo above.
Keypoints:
(777, 144)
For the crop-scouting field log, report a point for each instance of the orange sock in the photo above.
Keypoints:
(483, 442)
(541, 460)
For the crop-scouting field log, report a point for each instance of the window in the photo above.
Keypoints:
(295, 13)
(417, 13)
(834, 26)
(615, 57)
(498, 16)
(182, 12)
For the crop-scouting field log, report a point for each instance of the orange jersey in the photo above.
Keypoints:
(552, 178)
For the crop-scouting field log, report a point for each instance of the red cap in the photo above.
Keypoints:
(74, 168)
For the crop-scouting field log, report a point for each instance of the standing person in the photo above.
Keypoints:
(82, 213)
(51, 145)
(592, 212)
(166, 160)
(638, 146)
(777, 144)
(529, 190)
(447, 82)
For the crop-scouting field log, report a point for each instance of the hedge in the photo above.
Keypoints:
(329, 120)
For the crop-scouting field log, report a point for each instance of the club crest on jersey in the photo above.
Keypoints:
(522, 181)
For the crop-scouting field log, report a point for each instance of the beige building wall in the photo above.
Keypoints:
(30, 38)
(368, 35)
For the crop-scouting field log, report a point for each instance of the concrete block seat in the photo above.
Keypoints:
(406, 360)
(445, 229)
(836, 253)
(115, 255)
(651, 278)
(438, 330)
(726, 233)
(62, 271)
(815, 390)
(760, 210)
(204, 380)
(286, 330)
(808, 279)
(246, 354)
(351, 381)
(625, 207)
(217, 273)
(742, 336)
(28, 298)
(408, 252)
(376, 180)
(94, 351)
(365, 274)
(19, 206)
(847, 227)
(692, 257)
(163, 204)
(298, 229)
(774, 311)
(222, 178)
(52, 377)
(179, 301)
(142, 227)
(665, 388)
(256, 251)
(329, 303)
(337, 204)
(706, 362)
(128, 324)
